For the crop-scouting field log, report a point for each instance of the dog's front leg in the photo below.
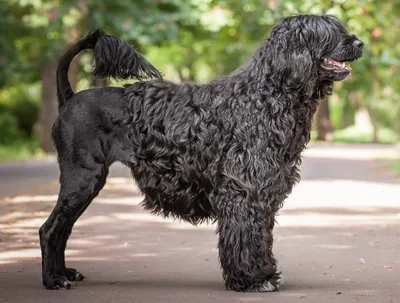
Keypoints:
(245, 246)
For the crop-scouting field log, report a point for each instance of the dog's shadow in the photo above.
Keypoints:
(153, 283)
(206, 285)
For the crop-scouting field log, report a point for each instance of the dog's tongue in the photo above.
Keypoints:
(339, 64)
(331, 61)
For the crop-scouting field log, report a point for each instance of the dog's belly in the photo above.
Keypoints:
(176, 145)
(174, 193)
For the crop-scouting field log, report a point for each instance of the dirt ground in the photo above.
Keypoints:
(338, 238)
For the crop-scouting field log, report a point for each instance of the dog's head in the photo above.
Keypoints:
(312, 52)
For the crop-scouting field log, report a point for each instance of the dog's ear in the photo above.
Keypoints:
(291, 60)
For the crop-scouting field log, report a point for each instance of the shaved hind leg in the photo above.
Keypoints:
(80, 184)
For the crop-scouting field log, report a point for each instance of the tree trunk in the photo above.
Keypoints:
(191, 76)
(324, 127)
(374, 122)
(371, 100)
(346, 115)
(49, 106)
(181, 77)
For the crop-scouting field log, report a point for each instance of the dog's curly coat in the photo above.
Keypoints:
(227, 151)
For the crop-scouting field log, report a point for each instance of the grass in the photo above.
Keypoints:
(392, 164)
(395, 166)
(353, 135)
(20, 151)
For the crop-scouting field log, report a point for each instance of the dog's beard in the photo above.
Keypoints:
(323, 89)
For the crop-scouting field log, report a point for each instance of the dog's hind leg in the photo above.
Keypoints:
(245, 245)
(80, 184)
(70, 273)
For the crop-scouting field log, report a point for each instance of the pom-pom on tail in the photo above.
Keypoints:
(115, 58)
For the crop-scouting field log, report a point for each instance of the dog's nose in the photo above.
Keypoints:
(358, 43)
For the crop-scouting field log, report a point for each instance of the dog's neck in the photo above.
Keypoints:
(268, 91)
(262, 72)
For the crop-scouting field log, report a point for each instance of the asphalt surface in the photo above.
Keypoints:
(338, 238)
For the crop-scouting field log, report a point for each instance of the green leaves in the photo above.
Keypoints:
(197, 39)
(142, 22)
(33, 31)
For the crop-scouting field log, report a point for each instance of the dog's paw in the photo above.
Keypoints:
(270, 285)
(57, 282)
(73, 274)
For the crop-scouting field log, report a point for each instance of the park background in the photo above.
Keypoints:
(188, 40)
(337, 237)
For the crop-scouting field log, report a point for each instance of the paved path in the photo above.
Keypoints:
(346, 209)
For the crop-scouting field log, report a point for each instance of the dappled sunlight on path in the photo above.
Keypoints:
(341, 212)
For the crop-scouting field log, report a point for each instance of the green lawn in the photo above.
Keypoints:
(21, 151)
(395, 166)
(353, 135)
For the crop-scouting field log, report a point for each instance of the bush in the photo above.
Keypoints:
(9, 129)
(26, 112)
(21, 102)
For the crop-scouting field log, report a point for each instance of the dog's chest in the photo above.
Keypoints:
(291, 129)
(291, 134)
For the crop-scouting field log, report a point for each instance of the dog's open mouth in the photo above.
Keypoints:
(336, 66)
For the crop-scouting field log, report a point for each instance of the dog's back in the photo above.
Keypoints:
(86, 116)
(89, 117)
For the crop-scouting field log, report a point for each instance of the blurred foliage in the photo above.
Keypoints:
(235, 28)
(21, 150)
(353, 135)
(192, 40)
(9, 128)
(34, 30)
(21, 101)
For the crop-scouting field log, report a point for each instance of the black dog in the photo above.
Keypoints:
(227, 151)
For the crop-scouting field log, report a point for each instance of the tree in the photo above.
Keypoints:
(220, 39)
(196, 40)
(324, 127)
(50, 26)
(78, 12)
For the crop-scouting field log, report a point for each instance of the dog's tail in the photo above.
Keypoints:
(113, 58)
